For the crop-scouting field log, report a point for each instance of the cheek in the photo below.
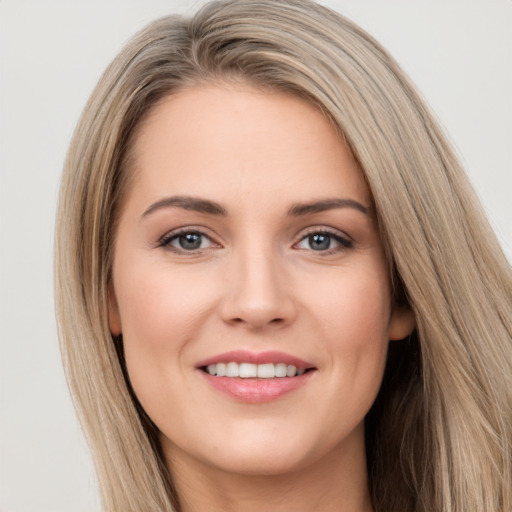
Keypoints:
(157, 304)
(353, 316)
(354, 305)
(160, 312)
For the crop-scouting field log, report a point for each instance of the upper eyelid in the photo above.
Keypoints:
(345, 241)
(188, 229)
(173, 233)
(324, 229)
(204, 231)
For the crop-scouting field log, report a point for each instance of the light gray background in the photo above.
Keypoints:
(459, 52)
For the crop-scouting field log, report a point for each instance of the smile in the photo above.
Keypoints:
(251, 370)
(251, 377)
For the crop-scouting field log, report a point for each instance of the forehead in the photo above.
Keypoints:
(228, 139)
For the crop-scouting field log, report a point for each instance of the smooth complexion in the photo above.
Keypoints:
(248, 233)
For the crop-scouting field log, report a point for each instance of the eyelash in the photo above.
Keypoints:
(345, 243)
(166, 240)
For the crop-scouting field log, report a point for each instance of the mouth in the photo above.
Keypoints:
(256, 377)
(254, 371)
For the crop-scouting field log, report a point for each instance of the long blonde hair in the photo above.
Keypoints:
(439, 437)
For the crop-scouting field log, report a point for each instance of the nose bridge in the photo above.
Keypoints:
(257, 295)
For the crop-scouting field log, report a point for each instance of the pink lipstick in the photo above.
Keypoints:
(255, 377)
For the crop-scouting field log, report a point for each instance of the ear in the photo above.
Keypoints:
(114, 319)
(401, 323)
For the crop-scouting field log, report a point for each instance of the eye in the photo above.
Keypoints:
(186, 241)
(324, 241)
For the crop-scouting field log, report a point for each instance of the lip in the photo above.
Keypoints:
(244, 356)
(254, 390)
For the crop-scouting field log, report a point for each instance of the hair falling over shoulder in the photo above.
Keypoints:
(439, 437)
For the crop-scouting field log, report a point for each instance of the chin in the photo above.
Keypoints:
(260, 449)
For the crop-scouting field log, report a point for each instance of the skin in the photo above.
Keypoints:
(256, 283)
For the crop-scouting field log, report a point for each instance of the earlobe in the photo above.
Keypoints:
(114, 319)
(401, 324)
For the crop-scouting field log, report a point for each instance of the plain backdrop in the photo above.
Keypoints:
(459, 53)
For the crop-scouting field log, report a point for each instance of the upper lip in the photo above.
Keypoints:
(244, 356)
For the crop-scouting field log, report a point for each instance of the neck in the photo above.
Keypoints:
(335, 482)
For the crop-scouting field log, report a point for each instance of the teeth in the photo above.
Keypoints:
(291, 371)
(221, 369)
(281, 370)
(247, 370)
(231, 370)
(250, 370)
(266, 371)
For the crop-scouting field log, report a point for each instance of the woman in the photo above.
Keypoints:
(255, 202)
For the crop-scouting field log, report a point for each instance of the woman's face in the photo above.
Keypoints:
(248, 245)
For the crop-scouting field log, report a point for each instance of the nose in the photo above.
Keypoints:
(258, 292)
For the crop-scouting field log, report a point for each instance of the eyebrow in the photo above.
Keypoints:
(187, 203)
(212, 208)
(323, 205)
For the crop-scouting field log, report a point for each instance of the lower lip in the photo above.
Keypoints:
(257, 390)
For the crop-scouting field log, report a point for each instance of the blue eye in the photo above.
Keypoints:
(323, 241)
(186, 241)
(319, 241)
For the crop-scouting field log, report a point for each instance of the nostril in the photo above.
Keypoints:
(274, 321)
